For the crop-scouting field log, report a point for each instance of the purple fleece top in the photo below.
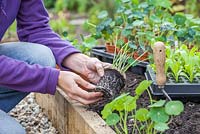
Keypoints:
(32, 26)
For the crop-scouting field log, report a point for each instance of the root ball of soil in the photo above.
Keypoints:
(112, 82)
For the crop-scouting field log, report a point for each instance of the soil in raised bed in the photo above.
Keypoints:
(186, 123)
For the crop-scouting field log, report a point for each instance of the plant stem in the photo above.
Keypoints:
(117, 130)
(122, 121)
(150, 97)
(125, 122)
(138, 129)
(136, 60)
(91, 24)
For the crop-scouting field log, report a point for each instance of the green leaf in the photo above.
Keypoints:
(107, 110)
(126, 32)
(174, 107)
(155, 19)
(142, 87)
(158, 114)
(112, 119)
(118, 103)
(143, 5)
(130, 103)
(181, 32)
(103, 14)
(180, 19)
(142, 114)
(120, 42)
(135, 1)
(65, 33)
(137, 23)
(161, 126)
(119, 21)
(159, 103)
(126, 1)
(161, 3)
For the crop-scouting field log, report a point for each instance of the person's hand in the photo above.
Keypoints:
(90, 68)
(77, 88)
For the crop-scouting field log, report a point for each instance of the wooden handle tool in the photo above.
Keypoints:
(159, 55)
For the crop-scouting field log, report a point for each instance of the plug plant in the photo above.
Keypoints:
(124, 60)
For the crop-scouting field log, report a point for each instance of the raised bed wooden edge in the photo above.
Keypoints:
(70, 117)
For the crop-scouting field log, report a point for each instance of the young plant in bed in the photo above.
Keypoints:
(123, 112)
(114, 79)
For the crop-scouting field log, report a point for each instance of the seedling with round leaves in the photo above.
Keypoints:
(123, 105)
(155, 118)
(174, 108)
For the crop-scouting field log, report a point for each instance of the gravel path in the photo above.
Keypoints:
(31, 117)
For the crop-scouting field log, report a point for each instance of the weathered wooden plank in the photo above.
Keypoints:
(70, 117)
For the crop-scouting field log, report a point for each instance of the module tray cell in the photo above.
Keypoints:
(102, 55)
(183, 88)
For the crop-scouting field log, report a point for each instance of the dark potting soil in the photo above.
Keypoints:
(186, 123)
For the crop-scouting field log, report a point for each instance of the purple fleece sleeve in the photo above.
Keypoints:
(32, 26)
(23, 77)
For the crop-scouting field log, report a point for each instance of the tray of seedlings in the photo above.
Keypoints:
(100, 53)
(182, 68)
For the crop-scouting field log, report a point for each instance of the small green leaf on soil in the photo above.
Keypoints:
(112, 119)
(159, 103)
(142, 87)
(161, 126)
(158, 114)
(142, 114)
(174, 107)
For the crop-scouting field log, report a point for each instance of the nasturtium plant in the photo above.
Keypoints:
(158, 114)
(112, 119)
(130, 103)
(160, 126)
(159, 103)
(142, 87)
(142, 114)
(106, 111)
(124, 104)
(151, 119)
(174, 107)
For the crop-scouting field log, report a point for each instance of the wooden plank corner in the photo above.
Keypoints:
(70, 117)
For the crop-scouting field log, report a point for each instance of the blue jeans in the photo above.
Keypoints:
(27, 52)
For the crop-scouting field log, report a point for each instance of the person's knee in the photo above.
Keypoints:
(9, 126)
(29, 52)
(44, 57)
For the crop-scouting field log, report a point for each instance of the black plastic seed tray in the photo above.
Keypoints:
(181, 89)
(101, 54)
